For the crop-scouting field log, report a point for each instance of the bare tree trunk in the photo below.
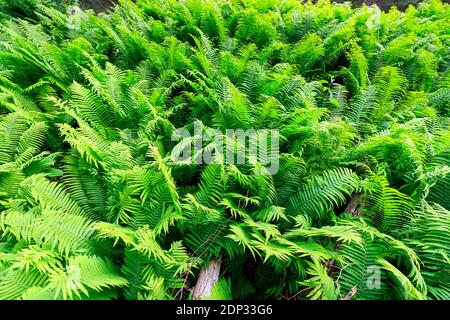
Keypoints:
(355, 204)
(207, 279)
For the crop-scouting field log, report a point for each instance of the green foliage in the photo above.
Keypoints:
(93, 205)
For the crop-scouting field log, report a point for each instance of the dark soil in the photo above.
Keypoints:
(97, 5)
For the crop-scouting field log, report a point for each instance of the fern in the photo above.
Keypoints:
(95, 205)
(318, 197)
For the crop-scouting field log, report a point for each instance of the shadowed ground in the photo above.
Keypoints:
(97, 5)
(386, 4)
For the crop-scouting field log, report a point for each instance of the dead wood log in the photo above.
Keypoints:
(350, 294)
(355, 204)
(207, 278)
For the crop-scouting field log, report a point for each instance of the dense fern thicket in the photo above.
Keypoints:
(93, 207)
(385, 4)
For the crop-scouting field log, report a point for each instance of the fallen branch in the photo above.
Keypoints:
(350, 294)
(207, 279)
